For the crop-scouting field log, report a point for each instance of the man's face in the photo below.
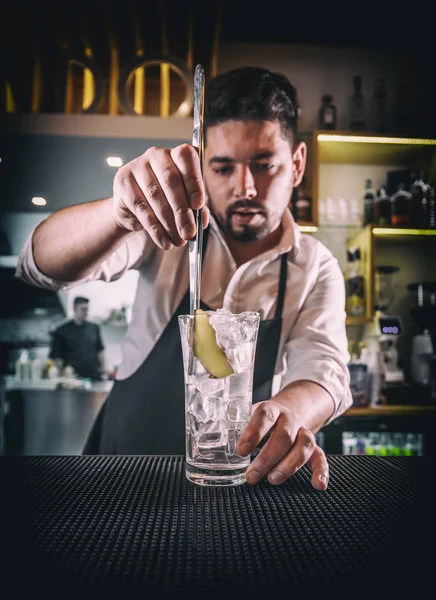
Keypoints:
(81, 311)
(249, 176)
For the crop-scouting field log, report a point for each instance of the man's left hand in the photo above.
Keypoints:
(290, 445)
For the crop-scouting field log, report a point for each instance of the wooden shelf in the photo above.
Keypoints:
(358, 320)
(389, 410)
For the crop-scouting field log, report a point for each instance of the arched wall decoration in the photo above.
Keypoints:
(176, 64)
(99, 81)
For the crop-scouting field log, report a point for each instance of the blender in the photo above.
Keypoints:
(390, 327)
(423, 314)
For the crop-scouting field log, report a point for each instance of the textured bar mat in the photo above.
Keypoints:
(135, 525)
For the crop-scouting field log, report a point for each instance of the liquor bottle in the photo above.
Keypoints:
(401, 214)
(327, 117)
(431, 202)
(354, 284)
(357, 106)
(382, 207)
(369, 197)
(379, 107)
(419, 202)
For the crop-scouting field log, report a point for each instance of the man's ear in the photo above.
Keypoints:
(299, 156)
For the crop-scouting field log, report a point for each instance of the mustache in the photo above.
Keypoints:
(244, 204)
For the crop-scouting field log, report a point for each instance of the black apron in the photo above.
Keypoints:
(145, 413)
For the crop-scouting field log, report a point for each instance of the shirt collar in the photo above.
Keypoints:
(291, 236)
(289, 241)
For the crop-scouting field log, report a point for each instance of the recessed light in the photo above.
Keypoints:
(39, 201)
(114, 161)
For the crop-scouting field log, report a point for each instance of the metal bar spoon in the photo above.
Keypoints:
(196, 244)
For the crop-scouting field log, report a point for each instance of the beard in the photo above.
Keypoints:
(244, 232)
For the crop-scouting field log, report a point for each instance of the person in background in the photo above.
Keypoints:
(254, 258)
(78, 343)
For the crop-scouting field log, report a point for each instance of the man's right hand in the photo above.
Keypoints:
(158, 192)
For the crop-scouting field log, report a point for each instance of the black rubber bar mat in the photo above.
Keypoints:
(134, 526)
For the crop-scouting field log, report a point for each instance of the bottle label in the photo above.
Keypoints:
(328, 116)
(400, 219)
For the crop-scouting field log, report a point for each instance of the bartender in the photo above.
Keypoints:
(78, 344)
(254, 258)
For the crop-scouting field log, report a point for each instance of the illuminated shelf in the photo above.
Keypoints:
(402, 232)
(307, 228)
(366, 148)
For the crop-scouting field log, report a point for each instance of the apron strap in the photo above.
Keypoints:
(282, 285)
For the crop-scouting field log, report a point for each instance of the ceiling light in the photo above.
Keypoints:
(39, 201)
(114, 161)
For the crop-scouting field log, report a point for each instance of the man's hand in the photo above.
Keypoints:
(158, 192)
(290, 445)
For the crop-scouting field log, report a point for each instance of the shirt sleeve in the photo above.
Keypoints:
(130, 255)
(57, 349)
(100, 345)
(318, 347)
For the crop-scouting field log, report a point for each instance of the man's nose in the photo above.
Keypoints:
(244, 183)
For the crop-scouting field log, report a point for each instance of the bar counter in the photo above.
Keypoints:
(134, 527)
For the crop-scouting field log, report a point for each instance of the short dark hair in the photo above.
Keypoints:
(80, 300)
(252, 94)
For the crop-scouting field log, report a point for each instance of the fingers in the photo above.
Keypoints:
(186, 160)
(206, 216)
(288, 448)
(160, 189)
(320, 469)
(297, 455)
(133, 206)
(156, 199)
(262, 420)
(274, 453)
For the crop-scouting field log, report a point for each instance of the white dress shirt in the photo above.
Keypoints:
(313, 344)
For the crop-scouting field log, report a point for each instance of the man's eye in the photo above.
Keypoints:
(223, 170)
(261, 167)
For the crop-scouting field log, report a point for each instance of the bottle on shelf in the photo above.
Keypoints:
(379, 107)
(431, 202)
(372, 446)
(419, 202)
(354, 284)
(327, 117)
(384, 444)
(361, 444)
(401, 214)
(382, 207)
(357, 106)
(398, 444)
(23, 367)
(369, 198)
(412, 446)
(35, 369)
